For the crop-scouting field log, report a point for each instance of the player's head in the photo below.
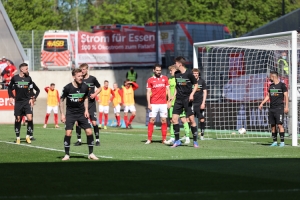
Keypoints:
(115, 85)
(157, 70)
(52, 86)
(172, 69)
(84, 69)
(106, 83)
(77, 75)
(273, 76)
(24, 69)
(196, 73)
(180, 62)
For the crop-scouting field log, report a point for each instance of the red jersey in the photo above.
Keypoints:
(158, 88)
(10, 69)
(7, 79)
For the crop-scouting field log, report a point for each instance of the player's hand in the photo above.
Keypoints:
(99, 101)
(260, 107)
(191, 98)
(286, 110)
(11, 101)
(31, 102)
(202, 106)
(86, 114)
(149, 107)
(93, 96)
(169, 104)
(63, 118)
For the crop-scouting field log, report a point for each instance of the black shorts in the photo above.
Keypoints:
(199, 113)
(22, 108)
(181, 105)
(80, 118)
(276, 115)
(93, 112)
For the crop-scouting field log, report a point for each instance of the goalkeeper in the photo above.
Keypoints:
(186, 127)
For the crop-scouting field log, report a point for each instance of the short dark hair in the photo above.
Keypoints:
(23, 65)
(180, 59)
(106, 81)
(52, 84)
(156, 65)
(75, 71)
(274, 72)
(84, 65)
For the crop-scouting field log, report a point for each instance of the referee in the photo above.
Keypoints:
(21, 83)
(278, 96)
(76, 95)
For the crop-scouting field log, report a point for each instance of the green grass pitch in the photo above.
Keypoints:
(129, 169)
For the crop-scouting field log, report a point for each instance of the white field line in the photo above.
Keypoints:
(52, 149)
(214, 193)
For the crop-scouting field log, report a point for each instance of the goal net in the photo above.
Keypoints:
(236, 72)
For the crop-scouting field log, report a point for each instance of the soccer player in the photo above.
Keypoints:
(105, 97)
(76, 95)
(127, 96)
(91, 82)
(52, 104)
(182, 116)
(117, 104)
(157, 88)
(199, 101)
(22, 99)
(34, 96)
(278, 96)
(185, 81)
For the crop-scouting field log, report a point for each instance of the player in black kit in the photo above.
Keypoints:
(278, 95)
(76, 94)
(91, 82)
(199, 101)
(185, 81)
(23, 101)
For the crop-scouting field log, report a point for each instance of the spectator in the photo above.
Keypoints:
(9, 69)
(3, 64)
(6, 79)
(131, 75)
(283, 66)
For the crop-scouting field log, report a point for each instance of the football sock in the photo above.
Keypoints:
(176, 131)
(46, 118)
(55, 118)
(90, 142)
(202, 128)
(274, 136)
(17, 128)
(126, 120)
(281, 134)
(164, 130)
(150, 130)
(186, 128)
(194, 132)
(172, 131)
(105, 118)
(118, 120)
(67, 140)
(96, 131)
(78, 132)
(29, 127)
(131, 119)
(100, 118)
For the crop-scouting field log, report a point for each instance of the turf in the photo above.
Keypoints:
(129, 169)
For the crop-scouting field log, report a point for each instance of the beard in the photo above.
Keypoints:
(78, 84)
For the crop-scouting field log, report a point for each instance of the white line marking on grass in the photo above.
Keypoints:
(214, 193)
(52, 149)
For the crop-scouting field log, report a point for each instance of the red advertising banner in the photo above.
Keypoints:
(4, 101)
(114, 48)
(236, 65)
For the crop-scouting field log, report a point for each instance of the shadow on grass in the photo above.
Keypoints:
(166, 179)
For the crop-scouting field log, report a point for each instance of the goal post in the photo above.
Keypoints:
(236, 72)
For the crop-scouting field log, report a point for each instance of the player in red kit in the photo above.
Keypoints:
(157, 89)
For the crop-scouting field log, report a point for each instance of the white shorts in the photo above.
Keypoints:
(54, 108)
(117, 109)
(162, 109)
(104, 109)
(129, 108)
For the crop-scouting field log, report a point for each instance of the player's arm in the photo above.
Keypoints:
(264, 101)
(148, 98)
(204, 95)
(62, 105)
(134, 85)
(86, 107)
(97, 84)
(37, 89)
(195, 83)
(46, 89)
(286, 102)
(57, 95)
(10, 89)
(121, 95)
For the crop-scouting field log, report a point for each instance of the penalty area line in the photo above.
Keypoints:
(52, 149)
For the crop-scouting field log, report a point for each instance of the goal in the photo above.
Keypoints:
(236, 72)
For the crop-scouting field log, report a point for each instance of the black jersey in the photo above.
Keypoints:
(21, 85)
(198, 96)
(91, 82)
(276, 95)
(75, 97)
(184, 83)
